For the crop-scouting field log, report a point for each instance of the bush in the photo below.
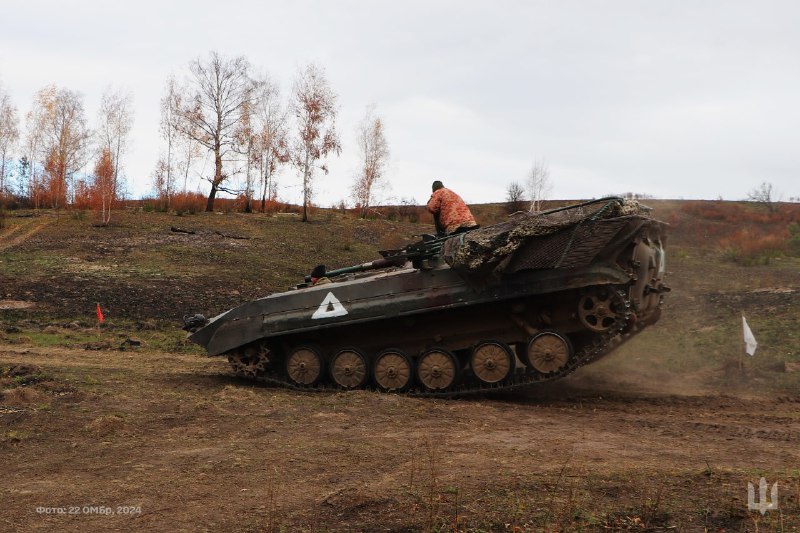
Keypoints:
(794, 238)
(406, 211)
(188, 203)
(727, 225)
(752, 247)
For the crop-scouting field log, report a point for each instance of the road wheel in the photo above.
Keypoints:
(349, 369)
(393, 370)
(492, 362)
(548, 352)
(438, 369)
(304, 366)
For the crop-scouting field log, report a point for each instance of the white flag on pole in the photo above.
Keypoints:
(750, 343)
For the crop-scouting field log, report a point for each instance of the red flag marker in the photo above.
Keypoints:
(99, 314)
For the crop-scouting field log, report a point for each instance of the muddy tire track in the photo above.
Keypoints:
(18, 234)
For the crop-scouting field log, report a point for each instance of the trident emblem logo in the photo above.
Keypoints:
(763, 504)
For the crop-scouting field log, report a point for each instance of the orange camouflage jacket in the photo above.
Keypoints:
(453, 212)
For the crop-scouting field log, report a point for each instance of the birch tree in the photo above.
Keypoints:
(245, 146)
(539, 185)
(9, 134)
(164, 174)
(104, 189)
(218, 92)
(65, 137)
(34, 140)
(181, 150)
(314, 109)
(374, 155)
(116, 121)
(271, 149)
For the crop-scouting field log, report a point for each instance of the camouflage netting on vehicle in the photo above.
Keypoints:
(559, 238)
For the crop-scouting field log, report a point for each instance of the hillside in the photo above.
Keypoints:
(146, 275)
(663, 433)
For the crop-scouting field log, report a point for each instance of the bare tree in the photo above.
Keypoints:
(181, 150)
(764, 194)
(116, 120)
(374, 154)
(164, 175)
(34, 140)
(314, 108)
(271, 148)
(188, 151)
(9, 134)
(539, 185)
(219, 91)
(65, 138)
(244, 146)
(162, 181)
(515, 197)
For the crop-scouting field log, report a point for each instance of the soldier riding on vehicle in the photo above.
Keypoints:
(450, 214)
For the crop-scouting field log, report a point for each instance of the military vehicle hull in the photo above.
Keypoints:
(565, 288)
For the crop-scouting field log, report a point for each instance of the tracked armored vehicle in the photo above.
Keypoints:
(514, 304)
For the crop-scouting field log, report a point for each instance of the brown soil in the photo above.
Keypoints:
(188, 447)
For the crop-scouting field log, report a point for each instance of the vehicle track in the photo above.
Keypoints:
(19, 233)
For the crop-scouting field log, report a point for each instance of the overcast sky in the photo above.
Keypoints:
(674, 99)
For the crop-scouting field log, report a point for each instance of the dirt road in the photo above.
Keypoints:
(152, 441)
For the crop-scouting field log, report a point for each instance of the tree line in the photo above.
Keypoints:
(219, 112)
(56, 146)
